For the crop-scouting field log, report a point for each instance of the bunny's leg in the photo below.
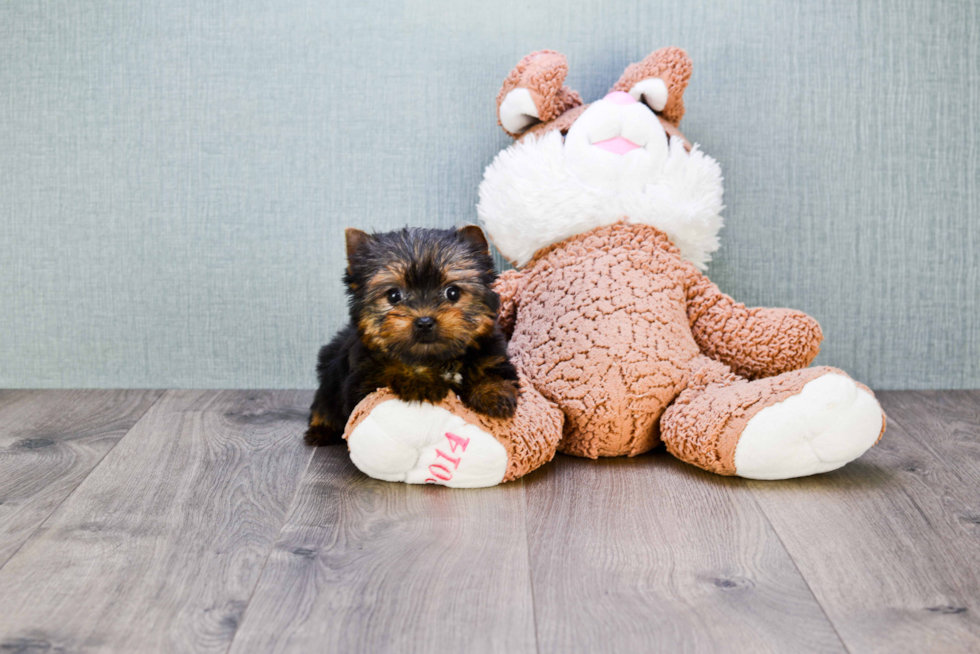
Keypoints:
(799, 423)
(447, 443)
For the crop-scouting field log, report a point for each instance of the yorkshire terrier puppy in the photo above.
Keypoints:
(423, 322)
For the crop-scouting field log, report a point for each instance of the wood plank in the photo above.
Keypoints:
(49, 441)
(368, 566)
(650, 554)
(947, 424)
(889, 544)
(160, 547)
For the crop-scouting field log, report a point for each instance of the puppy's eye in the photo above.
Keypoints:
(394, 296)
(453, 293)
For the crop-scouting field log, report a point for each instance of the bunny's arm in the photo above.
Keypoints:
(754, 342)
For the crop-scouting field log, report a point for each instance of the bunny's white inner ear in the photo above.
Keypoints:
(517, 111)
(652, 92)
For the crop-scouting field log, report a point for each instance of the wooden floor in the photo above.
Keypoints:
(196, 521)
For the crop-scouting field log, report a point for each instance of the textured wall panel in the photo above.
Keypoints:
(175, 176)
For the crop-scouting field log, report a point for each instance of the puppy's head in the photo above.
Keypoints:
(421, 295)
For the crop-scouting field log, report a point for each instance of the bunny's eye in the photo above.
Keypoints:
(394, 296)
(453, 293)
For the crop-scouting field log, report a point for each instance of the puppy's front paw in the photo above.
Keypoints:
(418, 389)
(496, 398)
(418, 393)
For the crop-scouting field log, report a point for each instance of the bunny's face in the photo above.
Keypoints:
(575, 167)
(617, 144)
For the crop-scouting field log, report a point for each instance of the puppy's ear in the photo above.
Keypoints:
(356, 239)
(474, 236)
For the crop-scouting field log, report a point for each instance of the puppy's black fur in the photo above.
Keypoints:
(423, 322)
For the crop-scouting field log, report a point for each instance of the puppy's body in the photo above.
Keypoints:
(423, 323)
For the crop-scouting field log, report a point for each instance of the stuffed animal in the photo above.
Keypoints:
(610, 217)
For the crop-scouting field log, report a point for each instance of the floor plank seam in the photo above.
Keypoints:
(285, 520)
(796, 566)
(530, 572)
(82, 481)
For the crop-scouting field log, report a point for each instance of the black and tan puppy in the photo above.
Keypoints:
(423, 322)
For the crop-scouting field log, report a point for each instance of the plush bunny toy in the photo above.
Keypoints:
(610, 217)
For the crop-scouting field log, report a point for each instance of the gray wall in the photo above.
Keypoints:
(175, 175)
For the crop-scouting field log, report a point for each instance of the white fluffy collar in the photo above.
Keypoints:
(529, 199)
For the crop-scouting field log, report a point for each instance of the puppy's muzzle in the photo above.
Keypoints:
(425, 329)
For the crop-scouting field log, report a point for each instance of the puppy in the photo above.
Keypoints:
(423, 322)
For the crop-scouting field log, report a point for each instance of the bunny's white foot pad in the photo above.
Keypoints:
(829, 423)
(419, 443)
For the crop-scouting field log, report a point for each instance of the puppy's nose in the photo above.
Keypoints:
(425, 324)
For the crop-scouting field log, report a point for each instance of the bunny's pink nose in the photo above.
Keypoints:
(619, 97)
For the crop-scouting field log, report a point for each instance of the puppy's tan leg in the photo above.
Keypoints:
(321, 432)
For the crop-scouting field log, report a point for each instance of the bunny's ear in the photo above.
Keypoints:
(533, 92)
(659, 82)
